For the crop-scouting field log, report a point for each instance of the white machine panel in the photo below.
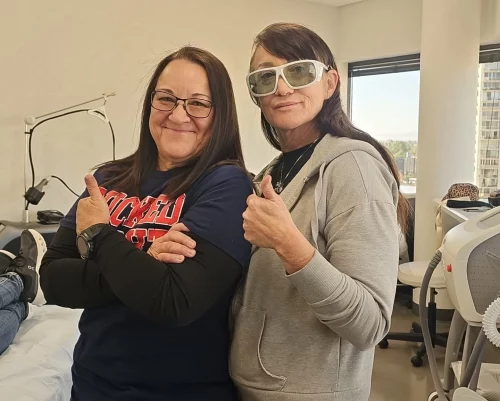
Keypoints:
(471, 263)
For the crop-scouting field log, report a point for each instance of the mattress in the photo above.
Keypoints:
(37, 365)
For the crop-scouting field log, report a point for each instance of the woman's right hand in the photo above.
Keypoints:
(174, 246)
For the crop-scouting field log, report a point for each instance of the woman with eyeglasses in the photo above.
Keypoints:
(150, 330)
(320, 287)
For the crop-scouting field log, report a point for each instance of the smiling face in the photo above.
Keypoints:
(178, 136)
(289, 109)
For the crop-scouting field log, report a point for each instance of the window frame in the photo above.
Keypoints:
(410, 62)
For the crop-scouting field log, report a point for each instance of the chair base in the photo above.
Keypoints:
(416, 336)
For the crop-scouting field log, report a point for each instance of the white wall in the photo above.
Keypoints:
(384, 28)
(449, 65)
(57, 53)
(379, 28)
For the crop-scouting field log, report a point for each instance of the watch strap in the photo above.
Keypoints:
(93, 230)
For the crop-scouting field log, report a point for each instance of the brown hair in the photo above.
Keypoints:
(223, 147)
(296, 42)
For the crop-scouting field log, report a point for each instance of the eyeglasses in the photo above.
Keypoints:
(297, 74)
(197, 108)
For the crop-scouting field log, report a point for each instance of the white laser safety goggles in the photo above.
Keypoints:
(297, 74)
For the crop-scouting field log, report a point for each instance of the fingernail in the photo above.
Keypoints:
(180, 259)
(192, 243)
(191, 252)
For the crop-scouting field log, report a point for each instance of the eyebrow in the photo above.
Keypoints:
(265, 65)
(194, 95)
(200, 94)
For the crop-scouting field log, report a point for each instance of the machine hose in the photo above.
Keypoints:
(491, 396)
(425, 325)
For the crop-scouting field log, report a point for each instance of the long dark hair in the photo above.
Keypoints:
(296, 42)
(223, 147)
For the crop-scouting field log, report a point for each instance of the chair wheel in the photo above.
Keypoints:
(384, 344)
(417, 362)
(433, 396)
(416, 328)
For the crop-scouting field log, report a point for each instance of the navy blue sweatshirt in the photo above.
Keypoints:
(152, 331)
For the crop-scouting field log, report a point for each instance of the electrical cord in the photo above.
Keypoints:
(66, 185)
(30, 154)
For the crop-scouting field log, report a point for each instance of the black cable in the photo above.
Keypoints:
(66, 185)
(53, 118)
(31, 137)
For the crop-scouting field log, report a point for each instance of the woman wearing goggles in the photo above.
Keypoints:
(320, 287)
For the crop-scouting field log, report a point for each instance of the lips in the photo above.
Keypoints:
(285, 105)
(177, 130)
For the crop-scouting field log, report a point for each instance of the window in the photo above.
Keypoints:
(489, 114)
(489, 134)
(492, 95)
(384, 98)
(488, 121)
(383, 101)
(488, 163)
(492, 76)
(489, 124)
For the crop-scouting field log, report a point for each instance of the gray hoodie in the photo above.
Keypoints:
(311, 335)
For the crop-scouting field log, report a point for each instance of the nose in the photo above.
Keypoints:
(283, 89)
(178, 115)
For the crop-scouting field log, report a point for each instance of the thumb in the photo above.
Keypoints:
(92, 187)
(267, 189)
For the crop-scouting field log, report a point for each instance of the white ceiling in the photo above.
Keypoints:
(334, 3)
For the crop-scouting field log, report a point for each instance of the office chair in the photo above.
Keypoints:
(404, 292)
(410, 275)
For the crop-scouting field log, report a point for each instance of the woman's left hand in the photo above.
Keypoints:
(93, 209)
(267, 221)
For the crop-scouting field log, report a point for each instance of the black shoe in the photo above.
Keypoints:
(26, 310)
(27, 263)
(6, 259)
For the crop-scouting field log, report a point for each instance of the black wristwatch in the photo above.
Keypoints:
(84, 240)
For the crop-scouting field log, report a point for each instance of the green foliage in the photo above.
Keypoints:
(401, 148)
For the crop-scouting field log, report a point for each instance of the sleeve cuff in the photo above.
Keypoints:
(101, 238)
(318, 280)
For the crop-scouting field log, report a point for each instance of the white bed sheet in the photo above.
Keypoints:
(37, 365)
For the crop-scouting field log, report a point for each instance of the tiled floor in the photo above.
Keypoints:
(394, 377)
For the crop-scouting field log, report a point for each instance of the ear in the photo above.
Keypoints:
(332, 80)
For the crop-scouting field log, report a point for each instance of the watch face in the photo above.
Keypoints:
(82, 246)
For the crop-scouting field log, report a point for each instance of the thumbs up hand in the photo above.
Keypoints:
(266, 187)
(267, 221)
(93, 209)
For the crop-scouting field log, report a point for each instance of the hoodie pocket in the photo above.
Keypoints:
(245, 362)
